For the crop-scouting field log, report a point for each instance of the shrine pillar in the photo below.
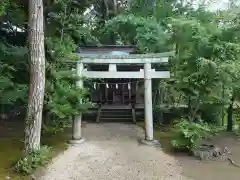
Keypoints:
(77, 120)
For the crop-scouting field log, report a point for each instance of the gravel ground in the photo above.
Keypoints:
(111, 152)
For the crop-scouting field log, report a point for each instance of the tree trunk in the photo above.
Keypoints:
(37, 76)
(230, 115)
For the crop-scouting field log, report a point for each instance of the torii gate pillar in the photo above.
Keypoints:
(77, 120)
(148, 102)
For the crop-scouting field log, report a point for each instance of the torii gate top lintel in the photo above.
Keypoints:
(126, 59)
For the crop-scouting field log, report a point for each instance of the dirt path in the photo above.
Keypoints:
(111, 152)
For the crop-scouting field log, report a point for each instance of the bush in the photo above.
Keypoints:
(188, 134)
(27, 164)
(56, 126)
(212, 113)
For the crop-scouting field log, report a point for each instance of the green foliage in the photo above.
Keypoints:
(63, 99)
(27, 164)
(67, 19)
(11, 89)
(199, 65)
(188, 134)
(11, 92)
(145, 32)
(3, 5)
(56, 125)
(66, 28)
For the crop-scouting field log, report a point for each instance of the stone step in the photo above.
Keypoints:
(116, 115)
(116, 111)
(121, 115)
(116, 119)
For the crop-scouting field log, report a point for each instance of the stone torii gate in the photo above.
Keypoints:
(147, 74)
